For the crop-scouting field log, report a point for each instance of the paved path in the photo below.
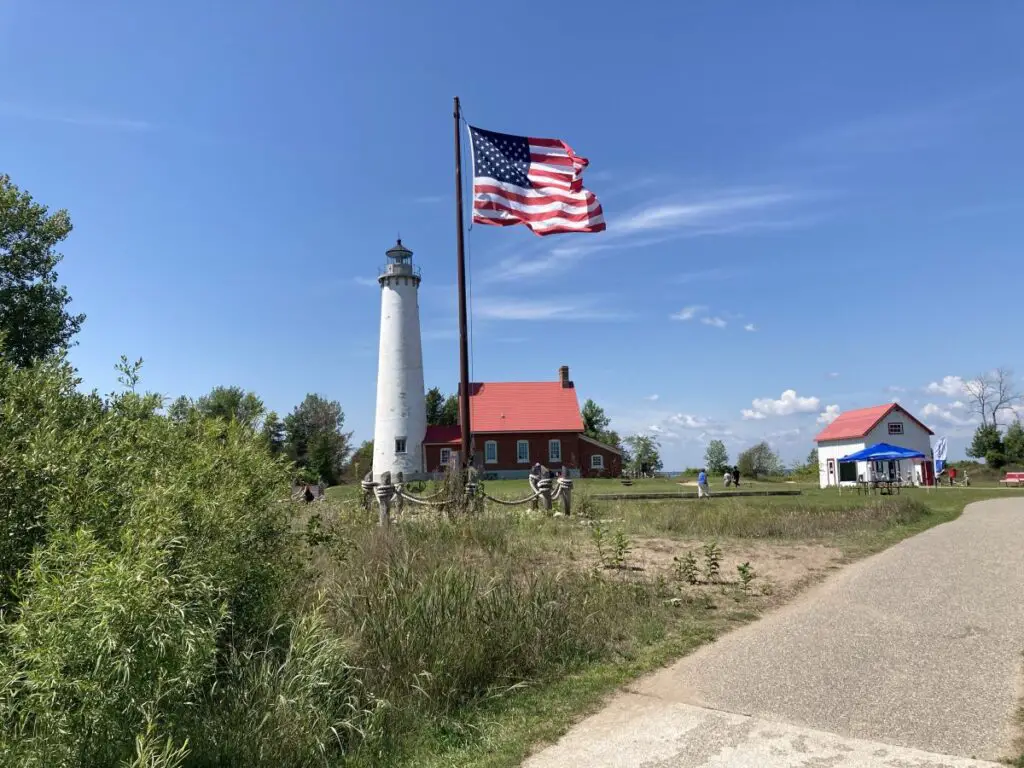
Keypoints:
(910, 658)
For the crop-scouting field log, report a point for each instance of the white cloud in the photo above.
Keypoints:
(789, 403)
(652, 398)
(716, 322)
(750, 327)
(895, 388)
(833, 375)
(721, 212)
(365, 281)
(688, 421)
(528, 309)
(950, 386)
(830, 414)
(688, 313)
(88, 120)
(931, 410)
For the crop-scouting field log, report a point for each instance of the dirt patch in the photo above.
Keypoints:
(692, 483)
(785, 567)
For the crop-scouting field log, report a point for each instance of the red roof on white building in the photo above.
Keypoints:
(858, 423)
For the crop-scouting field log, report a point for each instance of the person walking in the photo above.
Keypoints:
(736, 476)
(702, 484)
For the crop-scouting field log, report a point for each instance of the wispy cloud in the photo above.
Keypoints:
(527, 309)
(787, 404)
(715, 322)
(750, 327)
(365, 281)
(83, 119)
(727, 211)
(652, 398)
(955, 414)
(833, 374)
(688, 313)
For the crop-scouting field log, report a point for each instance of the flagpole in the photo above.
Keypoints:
(464, 395)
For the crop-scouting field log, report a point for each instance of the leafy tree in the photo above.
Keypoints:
(596, 423)
(759, 460)
(231, 404)
(1013, 444)
(812, 459)
(180, 409)
(643, 451)
(987, 441)
(273, 433)
(716, 457)
(314, 437)
(441, 410)
(33, 308)
(450, 411)
(362, 459)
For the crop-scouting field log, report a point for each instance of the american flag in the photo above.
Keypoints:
(536, 182)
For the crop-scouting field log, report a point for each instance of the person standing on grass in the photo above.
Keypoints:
(702, 484)
(952, 476)
(736, 476)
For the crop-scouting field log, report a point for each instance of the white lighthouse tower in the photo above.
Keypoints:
(401, 422)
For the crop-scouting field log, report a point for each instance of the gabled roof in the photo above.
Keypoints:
(516, 406)
(859, 422)
(445, 435)
(524, 406)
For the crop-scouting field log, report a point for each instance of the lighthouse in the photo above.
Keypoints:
(401, 420)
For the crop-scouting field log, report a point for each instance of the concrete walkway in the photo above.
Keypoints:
(910, 658)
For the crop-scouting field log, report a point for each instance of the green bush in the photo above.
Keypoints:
(140, 551)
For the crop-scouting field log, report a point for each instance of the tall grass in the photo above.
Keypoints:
(771, 519)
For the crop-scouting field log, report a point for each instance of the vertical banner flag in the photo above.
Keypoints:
(536, 182)
(940, 455)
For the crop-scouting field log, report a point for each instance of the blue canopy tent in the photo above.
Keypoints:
(883, 452)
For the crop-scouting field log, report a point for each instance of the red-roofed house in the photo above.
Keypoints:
(517, 424)
(855, 430)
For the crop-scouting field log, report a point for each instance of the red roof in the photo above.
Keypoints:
(519, 406)
(524, 406)
(861, 421)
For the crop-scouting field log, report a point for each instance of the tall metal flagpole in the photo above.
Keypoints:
(466, 459)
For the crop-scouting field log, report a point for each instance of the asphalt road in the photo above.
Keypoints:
(909, 658)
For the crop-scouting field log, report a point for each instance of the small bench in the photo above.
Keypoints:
(1013, 478)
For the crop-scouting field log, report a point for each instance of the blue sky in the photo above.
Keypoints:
(819, 197)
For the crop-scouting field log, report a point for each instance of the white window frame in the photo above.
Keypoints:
(489, 446)
(895, 427)
(519, 451)
(596, 461)
(403, 442)
(555, 456)
(446, 457)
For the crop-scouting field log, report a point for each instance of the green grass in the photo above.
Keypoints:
(500, 569)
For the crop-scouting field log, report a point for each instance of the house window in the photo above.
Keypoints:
(491, 452)
(597, 461)
(555, 451)
(399, 445)
(446, 457)
(895, 427)
(523, 451)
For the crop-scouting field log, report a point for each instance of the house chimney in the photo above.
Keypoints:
(563, 376)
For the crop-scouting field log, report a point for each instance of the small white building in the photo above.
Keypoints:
(401, 418)
(856, 430)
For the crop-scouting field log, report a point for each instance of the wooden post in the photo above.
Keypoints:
(544, 487)
(565, 495)
(464, 394)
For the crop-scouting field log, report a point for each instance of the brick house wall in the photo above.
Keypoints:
(576, 454)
